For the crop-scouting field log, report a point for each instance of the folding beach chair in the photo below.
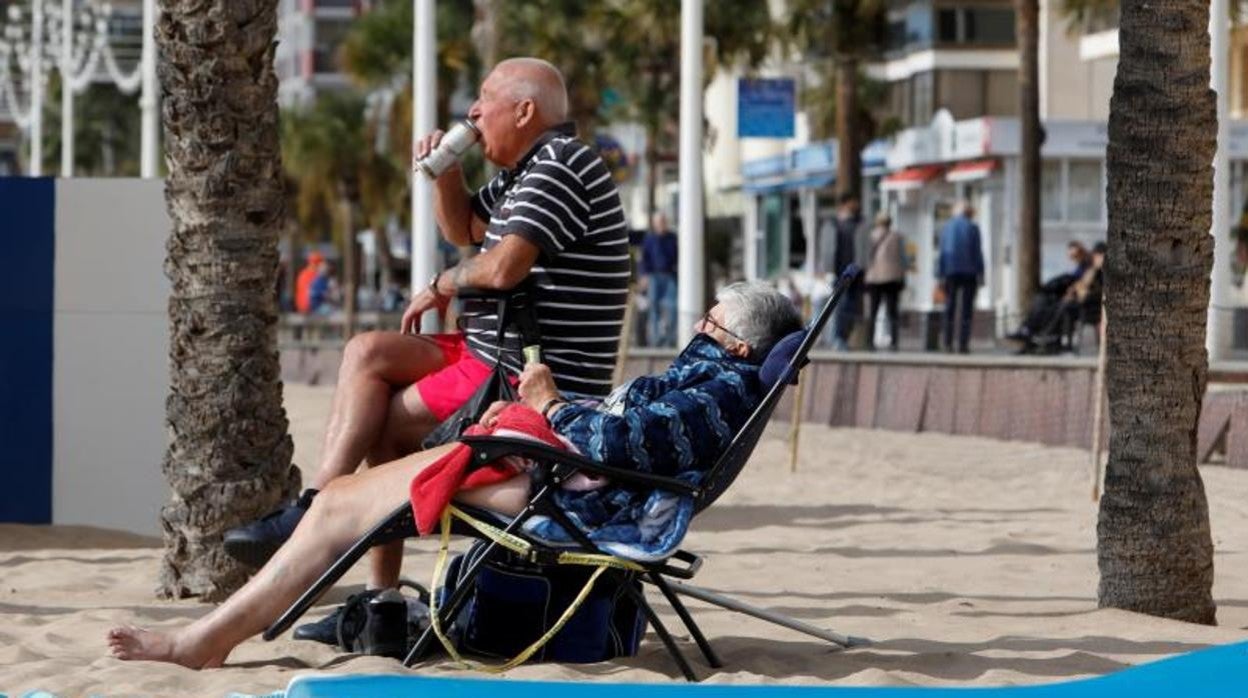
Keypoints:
(552, 467)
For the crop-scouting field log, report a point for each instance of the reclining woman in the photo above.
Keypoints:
(676, 424)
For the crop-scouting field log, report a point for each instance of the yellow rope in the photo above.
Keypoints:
(522, 547)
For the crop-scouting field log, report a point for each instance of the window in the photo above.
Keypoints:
(989, 25)
(329, 36)
(919, 24)
(1051, 190)
(962, 92)
(975, 25)
(1072, 191)
(947, 25)
(923, 101)
(896, 40)
(1084, 192)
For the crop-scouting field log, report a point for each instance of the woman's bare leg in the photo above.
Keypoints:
(339, 515)
(408, 422)
(507, 497)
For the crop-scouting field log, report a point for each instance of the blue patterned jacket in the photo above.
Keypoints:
(675, 424)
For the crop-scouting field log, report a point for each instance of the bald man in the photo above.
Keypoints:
(552, 215)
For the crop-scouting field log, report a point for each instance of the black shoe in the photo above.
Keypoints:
(384, 631)
(254, 543)
(325, 630)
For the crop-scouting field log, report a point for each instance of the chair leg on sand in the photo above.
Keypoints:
(577, 534)
(661, 630)
(843, 641)
(687, 619)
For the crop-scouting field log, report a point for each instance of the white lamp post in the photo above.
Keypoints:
(690, 243)
(78, 46)
(36, 89)
(148, 99)
(1218, 339)
(424, 98)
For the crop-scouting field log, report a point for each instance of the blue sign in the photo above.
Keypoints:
(766, 107)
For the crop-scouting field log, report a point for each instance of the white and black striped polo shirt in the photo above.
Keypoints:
(560, 197)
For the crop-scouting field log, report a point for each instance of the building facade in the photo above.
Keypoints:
(310, 32)
(957, 55)
(950, 73)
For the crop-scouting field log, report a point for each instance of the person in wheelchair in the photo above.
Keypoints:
(677, 423)
(1063, 303)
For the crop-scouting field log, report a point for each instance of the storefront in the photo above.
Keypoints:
(933, 168)
(789, 196)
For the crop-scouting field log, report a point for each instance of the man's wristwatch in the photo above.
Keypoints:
(433, 285)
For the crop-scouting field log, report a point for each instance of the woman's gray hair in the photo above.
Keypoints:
(758, 314)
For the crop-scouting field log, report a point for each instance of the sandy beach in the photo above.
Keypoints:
(965, 560)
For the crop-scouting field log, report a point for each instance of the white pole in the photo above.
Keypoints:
(808, 205)
(67, 94)
(36, 89)
(749, 237)
(424, 98)
(1218, 339)
(690, 242)
(149, 145)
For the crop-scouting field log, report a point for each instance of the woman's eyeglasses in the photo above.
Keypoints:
(708, 320)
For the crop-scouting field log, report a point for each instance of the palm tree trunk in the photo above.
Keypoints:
(228, 459)
(1154, 546)
(849, 147)
(1027, 14)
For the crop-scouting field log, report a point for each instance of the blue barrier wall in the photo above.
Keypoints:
(27, 244)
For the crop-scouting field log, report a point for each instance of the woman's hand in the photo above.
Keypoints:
(490, 418)
(537, 386)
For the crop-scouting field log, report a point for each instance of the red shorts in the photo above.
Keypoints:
(447, 389)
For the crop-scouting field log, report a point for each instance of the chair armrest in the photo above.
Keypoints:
(476, 292)
(487, 449)
(691, 564)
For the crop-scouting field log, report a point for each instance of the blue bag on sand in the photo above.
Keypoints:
(514, 602)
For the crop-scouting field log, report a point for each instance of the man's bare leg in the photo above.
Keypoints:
(374, 366)
(339, 515)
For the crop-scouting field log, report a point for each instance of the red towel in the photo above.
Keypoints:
(434, 487)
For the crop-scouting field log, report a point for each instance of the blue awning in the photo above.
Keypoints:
(810, 181)
(809, 167)
(763, 186)
(781, 184)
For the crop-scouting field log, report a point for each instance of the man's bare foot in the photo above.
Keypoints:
(133, 643)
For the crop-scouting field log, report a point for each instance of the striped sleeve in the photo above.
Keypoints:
(549, 207)
(487, 196)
